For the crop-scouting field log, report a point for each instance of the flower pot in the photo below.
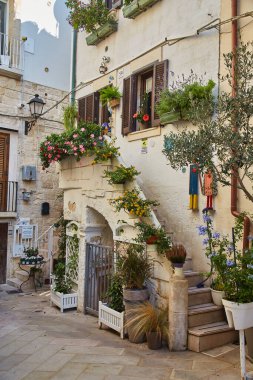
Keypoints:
(239, 315)
(102, 32)
(131, 298)
(111, 318)
(114, 103)
(154, 340)
(132, 10)
(217, 296)
(178, 271)
(147, 3)
(152, 240)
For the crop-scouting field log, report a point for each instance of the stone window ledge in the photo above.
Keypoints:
(144, 134)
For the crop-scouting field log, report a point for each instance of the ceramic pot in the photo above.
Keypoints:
(154, 340)
(152, 239)
(239, 315)
(217, 296)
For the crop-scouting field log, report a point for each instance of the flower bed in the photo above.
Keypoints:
(86, 140)
(111, 318)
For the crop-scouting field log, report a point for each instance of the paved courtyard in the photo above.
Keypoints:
(37, 342)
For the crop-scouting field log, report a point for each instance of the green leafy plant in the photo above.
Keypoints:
(188, 99)
(62, 282)
(31, 251)
(145, 318)
(115, 294)
(152, 235)
(109, 93)
(176, 254)
(127, 2)
(105, 151)
(222, 145)
(121, 174)
(142, 115)
(69, 117)
(88, 16)
(130, 201)
(134, 267)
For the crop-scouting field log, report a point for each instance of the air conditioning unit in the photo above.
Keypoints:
(116, 4)
(29, 173)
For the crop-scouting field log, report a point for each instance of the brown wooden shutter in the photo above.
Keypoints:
(88, 108)
(81, 108)
(129, 104)
(4, 165)
(126, 106)
(160, 82)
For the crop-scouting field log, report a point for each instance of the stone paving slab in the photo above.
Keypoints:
(38, 342)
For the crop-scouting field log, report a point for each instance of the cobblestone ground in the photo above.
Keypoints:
(37, 342)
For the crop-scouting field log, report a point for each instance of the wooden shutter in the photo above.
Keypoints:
(160, 82)
(4, 164)
(129, 104)
(88, 108)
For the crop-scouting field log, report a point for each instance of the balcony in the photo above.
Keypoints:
(8, 199)
(11, 56)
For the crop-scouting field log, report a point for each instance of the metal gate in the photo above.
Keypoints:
(99, 266)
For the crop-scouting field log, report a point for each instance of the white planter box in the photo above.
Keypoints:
(111, 318)
(239, 315)
(64, 301)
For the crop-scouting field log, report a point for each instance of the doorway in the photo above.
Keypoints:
(3, 251)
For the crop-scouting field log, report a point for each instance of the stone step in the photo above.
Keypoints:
(198, 296)
(14, 282)
(188, 264)
(210, 335)
(21, 275)
(8, 288)
(193, 278)
(205, 313)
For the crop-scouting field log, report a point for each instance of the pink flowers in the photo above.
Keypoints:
(75, 148)
(94, 143)
(83, 129)
(100, 138)
(75, 135)
(92, 136)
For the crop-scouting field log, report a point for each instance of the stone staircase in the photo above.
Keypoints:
(207, 325)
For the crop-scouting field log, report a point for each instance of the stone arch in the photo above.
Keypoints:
(97, 228)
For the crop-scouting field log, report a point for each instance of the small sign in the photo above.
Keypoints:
(144, 146)
(27, 232)
(24, 221)
(18, 250)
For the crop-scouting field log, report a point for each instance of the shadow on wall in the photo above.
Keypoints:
(48, 45)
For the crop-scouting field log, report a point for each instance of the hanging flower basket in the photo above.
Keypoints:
(114, 103)
(101, 33)
(239, 315)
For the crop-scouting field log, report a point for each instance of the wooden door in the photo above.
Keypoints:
(3, 251)
(4, 165)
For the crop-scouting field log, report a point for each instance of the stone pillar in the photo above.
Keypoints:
(178, 314)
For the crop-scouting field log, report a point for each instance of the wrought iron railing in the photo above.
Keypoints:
(11, 52)
(8, 196)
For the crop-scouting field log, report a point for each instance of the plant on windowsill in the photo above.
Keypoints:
(132, 8)
(131, 202)
(111, 95)
(94, 18)
(187, 99)
(147, 319)
(121, 175)
(150, 234)
(142, 115)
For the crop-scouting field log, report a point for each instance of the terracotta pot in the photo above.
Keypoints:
(114, 103)
(154, 340)
(152, 240)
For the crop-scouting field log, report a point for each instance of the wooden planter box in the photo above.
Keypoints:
(64, 301)
(101, 33)
(111, 318)
(136, 7)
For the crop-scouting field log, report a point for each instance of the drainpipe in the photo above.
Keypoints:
(73, 67)
(234, 189)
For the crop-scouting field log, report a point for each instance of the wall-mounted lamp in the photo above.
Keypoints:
(36, 105)
(103, 67)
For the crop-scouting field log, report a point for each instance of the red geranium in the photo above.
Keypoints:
(145, 117)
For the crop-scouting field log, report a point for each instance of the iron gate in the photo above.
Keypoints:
(98, 268)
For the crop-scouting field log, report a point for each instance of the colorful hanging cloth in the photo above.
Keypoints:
(193, 187)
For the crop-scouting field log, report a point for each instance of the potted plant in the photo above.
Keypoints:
(70, 114)
(61, 289)
(177, 255)
(110, 95)
(105, 152)
(145, 318)
(132, 8)
(188, 99)
(133, 204)
(217, 290)
(121, 175)
(143, 114)
(134, 268)
(93, 17)
(150, 234)
(111, 313)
